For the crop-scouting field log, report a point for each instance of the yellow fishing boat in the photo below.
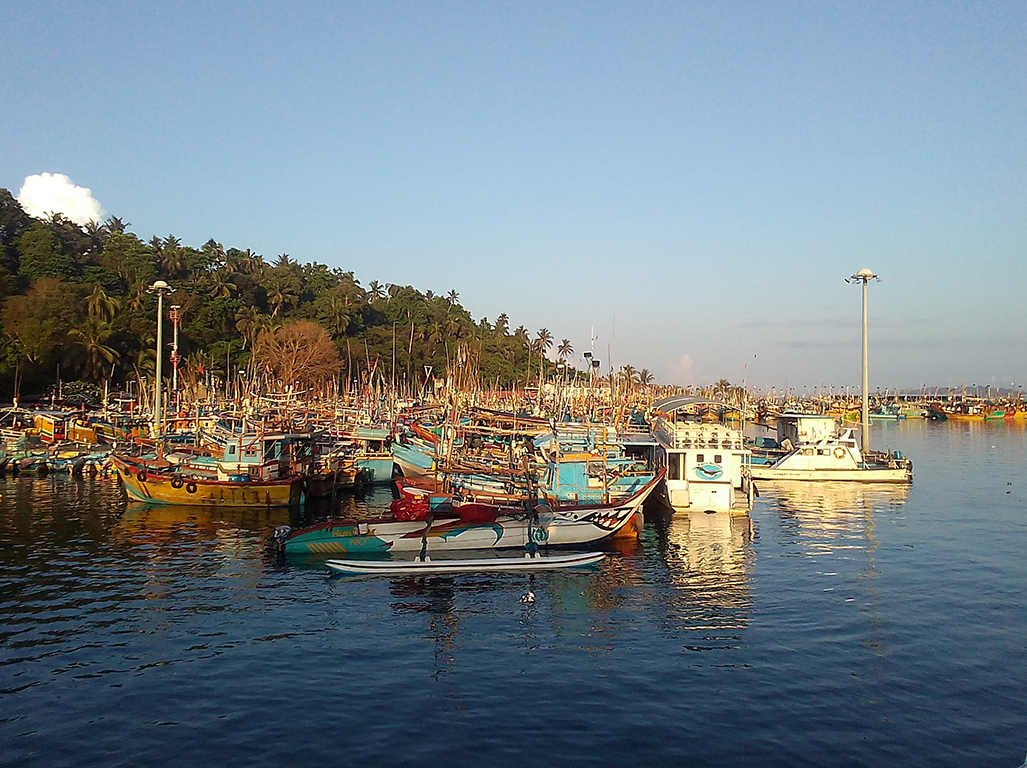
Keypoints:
(147, 482)
(255, 470)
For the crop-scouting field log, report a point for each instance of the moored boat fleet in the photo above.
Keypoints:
(465, 478)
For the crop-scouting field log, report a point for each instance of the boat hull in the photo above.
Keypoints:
(169, 488)
(559, 527)
(376, 470)
(885, 475)
(412, 461)
(475, 565)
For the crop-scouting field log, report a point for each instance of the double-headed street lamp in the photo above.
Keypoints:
(160, 288)
(864, 276)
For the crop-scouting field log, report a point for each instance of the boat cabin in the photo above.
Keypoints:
(705, 461)
(373, 453)
(800, 428)
(266, 457)
(52, 426)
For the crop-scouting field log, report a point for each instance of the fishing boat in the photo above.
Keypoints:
(837, 458)
(255, 470)
(369, 448)
(142, 483)
(455, 527)
(1015, 412)
(886, 412)
(414, 458)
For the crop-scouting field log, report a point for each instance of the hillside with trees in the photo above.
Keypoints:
(75, 305)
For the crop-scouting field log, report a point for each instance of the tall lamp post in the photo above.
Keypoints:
(864, 276)
(160, 288)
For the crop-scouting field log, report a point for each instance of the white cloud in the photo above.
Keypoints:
(681, 372)
(46, 193)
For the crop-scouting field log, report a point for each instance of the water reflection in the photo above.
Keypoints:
(707, 559)
(367, 503)
(830, 517)
(833, 525)
(819, 497)
(140, 517)
(436, 598)
(574, 605)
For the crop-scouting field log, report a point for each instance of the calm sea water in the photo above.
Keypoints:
(837, 626)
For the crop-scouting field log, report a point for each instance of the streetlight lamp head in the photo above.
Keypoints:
(863, 276)
(159, 286)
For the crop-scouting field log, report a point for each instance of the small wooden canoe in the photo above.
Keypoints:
(477, 565)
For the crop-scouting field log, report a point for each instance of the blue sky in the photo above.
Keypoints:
(693, 181)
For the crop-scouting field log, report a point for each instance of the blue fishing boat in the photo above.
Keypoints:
(414, 458)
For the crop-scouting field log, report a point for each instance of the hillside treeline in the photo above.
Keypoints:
(74, 303)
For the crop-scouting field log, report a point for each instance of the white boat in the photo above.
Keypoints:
(707, 467)
(837, 458)
(529, 562)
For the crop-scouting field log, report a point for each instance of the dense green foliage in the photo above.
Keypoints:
(75, 300)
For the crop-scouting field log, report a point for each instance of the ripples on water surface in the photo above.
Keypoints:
(838, 625)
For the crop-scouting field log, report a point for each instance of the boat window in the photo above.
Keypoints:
(674, 466)
(807, 451)
(700, 458)
(231, 449)
(718, 459)
(823, 451)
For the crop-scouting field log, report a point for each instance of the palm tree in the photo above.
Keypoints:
(170, 254)
(277, 297)
(502, 325)
(544, 340)
(452, 296)
(91, 339)
(97, 234)
(284, 261)
(453, 328)
(145, 361)
(137, 296)
(101, 305)
(221, 286)
(157, 246)
(247, 322)
(116, 225)
(376, 289)
(250, 263)
(216, 251)
(282, 291)
(565, 349)
(336, 315)
(644, 377)
(436, 333)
